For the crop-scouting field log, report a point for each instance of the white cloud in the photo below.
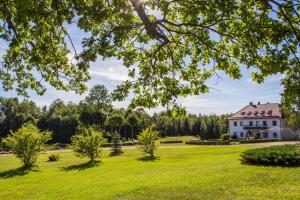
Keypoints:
(114, 73)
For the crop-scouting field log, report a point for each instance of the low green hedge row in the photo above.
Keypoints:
(256, 141)
(282, 155)
(122, 144)
(201, 142)
(171, 141)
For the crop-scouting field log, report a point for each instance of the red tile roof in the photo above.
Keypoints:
(261, 111)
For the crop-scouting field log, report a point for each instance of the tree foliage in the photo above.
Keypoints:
(99, 96)
(171, 48)
(26, 143)
(147, 140)
(88, 143)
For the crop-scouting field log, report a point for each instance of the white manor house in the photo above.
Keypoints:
(261, 121)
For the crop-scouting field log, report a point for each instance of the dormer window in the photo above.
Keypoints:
(269, 112)
(242, 113)
(249, 113)
(256, 112)
(262, 112)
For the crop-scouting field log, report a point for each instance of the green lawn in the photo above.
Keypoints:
(203, 172)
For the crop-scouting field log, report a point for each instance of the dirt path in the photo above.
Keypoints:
(267, 144)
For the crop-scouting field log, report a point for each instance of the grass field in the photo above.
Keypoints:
(202, 172)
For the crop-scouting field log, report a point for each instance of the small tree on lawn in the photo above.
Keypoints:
(116, 143)
(147, 140)
(27, 143)
(88, 143)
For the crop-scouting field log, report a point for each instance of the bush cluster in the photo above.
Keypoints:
(171, 141)
(285, 155)
(256, 141)
(202, 142)
(225, 137)
(53, 157)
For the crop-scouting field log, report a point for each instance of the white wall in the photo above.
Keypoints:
(271, 129)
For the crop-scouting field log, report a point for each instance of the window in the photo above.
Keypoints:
(265, 123)
(251, 123)
(274, 123)
(275, 135)
(265, 135)
(241, 134)
(241, 123)
(257, 123)
(235, 123)
(235, 134)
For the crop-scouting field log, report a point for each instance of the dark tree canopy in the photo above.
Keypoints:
(170, 47)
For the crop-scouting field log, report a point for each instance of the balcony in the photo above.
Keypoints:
(255, 127)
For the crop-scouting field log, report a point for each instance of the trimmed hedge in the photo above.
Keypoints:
(171, 141)
(283, 155)
(256, 141)
(122, 144)
(201, 142)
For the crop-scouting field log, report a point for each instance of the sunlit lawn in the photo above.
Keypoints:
(212, 172)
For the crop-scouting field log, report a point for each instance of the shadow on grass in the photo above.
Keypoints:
(116, 153)
(148, 158)
(249, 163)
(82, 166)
(21, 171)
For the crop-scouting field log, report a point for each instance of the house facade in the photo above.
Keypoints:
(261, 121)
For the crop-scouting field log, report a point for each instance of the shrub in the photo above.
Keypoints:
(53, 157)
(147, 140)
(88, 143)
(225, 137)
(285, 155)
(256, 141)
(201, 142)
(171, 141)
(234, 137)
(26, 143)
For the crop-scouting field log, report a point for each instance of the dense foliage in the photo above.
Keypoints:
(147, 140)
(286, 155)
(171, 48)
(26, 143)
(88, 143)
(63, 120)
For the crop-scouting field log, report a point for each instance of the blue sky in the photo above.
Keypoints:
(228, 96)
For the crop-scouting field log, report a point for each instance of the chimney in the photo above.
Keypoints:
(258, 103)
(251, 103)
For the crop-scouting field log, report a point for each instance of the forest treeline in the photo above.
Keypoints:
(96, 110)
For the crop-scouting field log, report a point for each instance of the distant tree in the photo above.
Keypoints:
(13, 114)
(88, 143)
(132, 120)
(147, 140)
(99, 96)
(203, 132)
(27, 143)
(115, 122)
